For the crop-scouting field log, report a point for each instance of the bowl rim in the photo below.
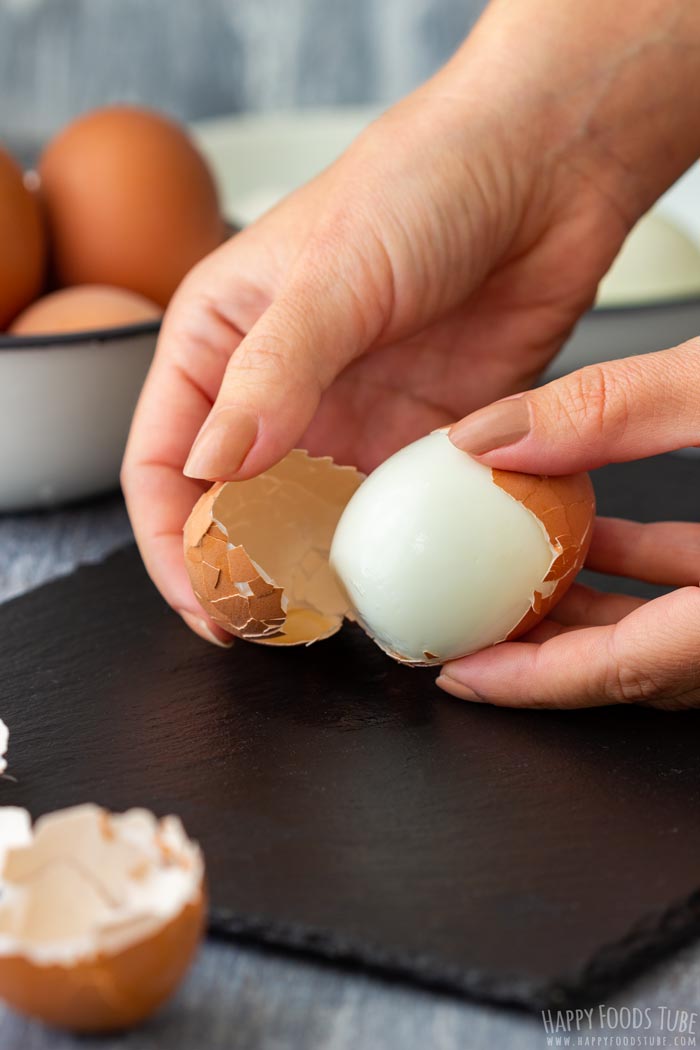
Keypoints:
(101, 336)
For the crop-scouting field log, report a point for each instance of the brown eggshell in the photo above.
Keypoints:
(565, 506)
(22, 242)
(108, 992)
(257, 551)
(129, 201)
(86, 307)
(100, 915)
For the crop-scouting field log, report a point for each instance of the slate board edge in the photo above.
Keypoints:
(649, 941)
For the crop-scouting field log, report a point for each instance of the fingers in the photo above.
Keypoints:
(666, 553)
(652, 656)
(584, 606)
(273, 383)
(606, 413)
(159, 501)
(194, 346)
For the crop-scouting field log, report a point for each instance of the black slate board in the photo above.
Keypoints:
(347, 808)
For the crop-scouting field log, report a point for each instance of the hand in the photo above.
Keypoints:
(598, 648)
(439, 264)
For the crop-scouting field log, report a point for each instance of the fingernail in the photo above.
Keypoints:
(451, 685)
(502, 423)
(202, 628)
(221, 445)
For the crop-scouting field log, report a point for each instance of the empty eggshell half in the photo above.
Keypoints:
(257, 551)
(100, 914)
(441, 556)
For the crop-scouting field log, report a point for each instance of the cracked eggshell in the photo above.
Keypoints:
(257, 551)
(100, 915)
(441, 556)
(565, 507)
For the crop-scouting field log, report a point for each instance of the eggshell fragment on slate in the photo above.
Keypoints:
(100, 914)
(257, 551)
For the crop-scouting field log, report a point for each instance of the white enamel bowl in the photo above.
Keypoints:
(66, 403)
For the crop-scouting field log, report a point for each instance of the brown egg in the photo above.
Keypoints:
(22, 241)
(129, 201)
(84, 308)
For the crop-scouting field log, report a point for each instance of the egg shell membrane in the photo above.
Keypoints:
(134, 936)
(288, 595)
(108, 992)
(565, 506)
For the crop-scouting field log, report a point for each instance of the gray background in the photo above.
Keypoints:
(197, 58)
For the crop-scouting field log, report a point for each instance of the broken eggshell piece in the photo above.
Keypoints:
(100, 914)
(441, 556)
(257, 551)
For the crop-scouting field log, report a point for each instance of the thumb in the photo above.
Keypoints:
(274, 379)
(608, 413)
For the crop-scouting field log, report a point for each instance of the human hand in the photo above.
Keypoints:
(439, 264)
(597, 648)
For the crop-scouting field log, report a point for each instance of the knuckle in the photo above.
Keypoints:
(276, 358)
(627, 684)
(596, 399)
(625, 678)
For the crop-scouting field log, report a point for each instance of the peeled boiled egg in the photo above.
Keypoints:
(440, 555)
(435, 554)
(84, 308)
(22, 241)
(100, 914)
(129, 200)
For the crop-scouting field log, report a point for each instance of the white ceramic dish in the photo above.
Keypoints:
(66, 402)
